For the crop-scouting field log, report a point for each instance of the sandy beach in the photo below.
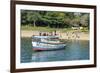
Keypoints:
(70, 35)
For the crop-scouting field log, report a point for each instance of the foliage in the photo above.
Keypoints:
(54, 19)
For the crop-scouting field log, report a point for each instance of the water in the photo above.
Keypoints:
(74, 50)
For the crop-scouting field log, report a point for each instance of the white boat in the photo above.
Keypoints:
(40, 43)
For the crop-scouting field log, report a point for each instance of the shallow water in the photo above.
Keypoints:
(74, 50)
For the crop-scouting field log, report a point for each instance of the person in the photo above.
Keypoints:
(40, 33)
(44, 34)
(55, 32)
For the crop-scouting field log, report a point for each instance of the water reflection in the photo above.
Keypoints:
(75, 50)
(48, 55)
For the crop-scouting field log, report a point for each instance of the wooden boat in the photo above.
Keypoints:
(40, 43)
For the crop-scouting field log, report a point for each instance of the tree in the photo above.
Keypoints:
(33, 16)
(23, 17)
(54, 19)
(85, 20)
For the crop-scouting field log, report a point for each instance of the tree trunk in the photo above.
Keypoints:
(34, 23)
(48, 25)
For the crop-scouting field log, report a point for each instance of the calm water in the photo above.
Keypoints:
(75, 50)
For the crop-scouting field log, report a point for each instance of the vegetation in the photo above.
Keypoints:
(48, 29)
(53, 19)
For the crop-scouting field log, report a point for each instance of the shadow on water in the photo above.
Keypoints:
(52, 55)
(74, 50)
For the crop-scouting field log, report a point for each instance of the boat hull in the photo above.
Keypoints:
(45, 46)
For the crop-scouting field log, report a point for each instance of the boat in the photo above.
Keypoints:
(49, 42)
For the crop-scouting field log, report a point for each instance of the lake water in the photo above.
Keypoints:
(74, 50)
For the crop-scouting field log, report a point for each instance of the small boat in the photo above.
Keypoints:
(40, 43)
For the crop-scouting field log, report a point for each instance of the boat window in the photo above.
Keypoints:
(53, 39)
(36, 39)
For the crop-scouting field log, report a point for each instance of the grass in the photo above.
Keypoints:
(37, 28)
(48, 29)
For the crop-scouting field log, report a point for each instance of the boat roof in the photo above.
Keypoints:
(44, 37)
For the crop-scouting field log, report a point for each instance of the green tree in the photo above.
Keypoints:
(23, 17)
(33, 17)
(84, 20)
(54, 19)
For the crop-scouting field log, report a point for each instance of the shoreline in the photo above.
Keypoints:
(70, 35)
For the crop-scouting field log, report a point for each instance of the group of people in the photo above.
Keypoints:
(47, 33)
(67, 35)
(73, 35)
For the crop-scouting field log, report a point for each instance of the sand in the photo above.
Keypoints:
(76, 35)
